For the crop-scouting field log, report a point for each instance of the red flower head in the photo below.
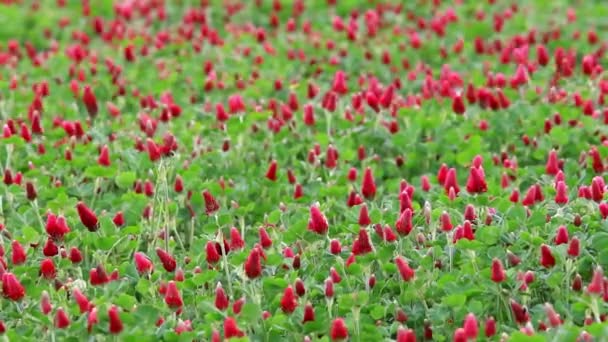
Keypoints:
(519, 312)
(265, 239)
(18, 255)
(404, 222)
(154, 152)
(552, 167)
(561, 195)
(231, 329)
(56, 227)
(92, 319)
(115, 321)
(331, 157)
(47, 269)
(11, 287)
(50, 248)
(406, 272)
(476, 183)
(460, 335)
(45, 303)
(211, 205)
(104, 156)
(143, 264)
(368, 186)
(574, 247)
(547, 259)
(470, 327)
(362, 244)
(364, 219)
(498, 272)
(213, 255)
(458, 105)
(172, 296)
(405, 335)
(75, 255)
(87, 217)
(338, 330)
(221, 300)
(289, 301)
(490, 327)
(451, 182)
(446, 223)
(166, 259)
(272, 171)
(596, 286)
(81, 300)
(90, 101)
(253, 265)
(317, 222)
(62, 320)
(339, 84)
(561, 237)
(309, 313)
(329, 288)
(118, 219)
(236, 241)
(98, 276)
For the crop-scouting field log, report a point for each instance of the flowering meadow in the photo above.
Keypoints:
(294, 170)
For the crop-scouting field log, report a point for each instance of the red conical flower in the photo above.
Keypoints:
(143, 264)
(362, 244)
(62, 320)
(253, 266)
(81, 300)
(338, 330)
(47, 269)
(45, 303)
(451, 182)
(476, 183)
(92, 319)
(172, 296)
(458, 105)
(552, 166)
(561, 195)
(211, 205)
(470, 327)
(368, 186)
(404, 225)
(405, 335)
(115, 323)
(520, 313)
(574, 247)
(498, 272)
(221, 300)
(104, 156)
(317, 222)
(236, 241)
(596, 286)
(87, 217)
(213, 255)
(231, 329)
(90, 101)
(169, 263)
(547, 259)
(406, 272)
(561, 237)
(11, 287)
(272, 171)
(364, 219)
(289, 300)
(18, 255)
(309, 313)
